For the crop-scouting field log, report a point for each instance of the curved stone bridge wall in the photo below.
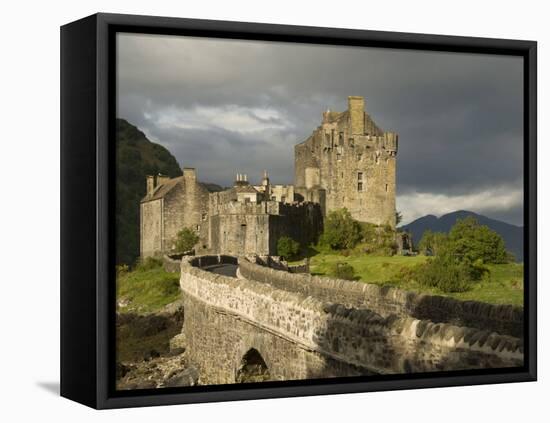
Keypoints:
(302, 337)
(504, 319)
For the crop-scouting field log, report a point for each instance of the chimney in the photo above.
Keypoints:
(162, 179)
(189, 174)
(356, 108)
(150, 184)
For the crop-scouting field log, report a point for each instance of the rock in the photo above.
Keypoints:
(187, 377)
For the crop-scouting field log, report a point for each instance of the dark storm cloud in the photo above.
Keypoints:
(224, 106)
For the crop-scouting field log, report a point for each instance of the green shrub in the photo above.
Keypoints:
(185, 240)
(341, 231)
(432, 243)
(148, 263)
(287, 247)
(122, 269)
(342, 271)
(377, 240)
(445, 273)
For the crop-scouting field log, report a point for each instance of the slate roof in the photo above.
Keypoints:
(163, 189)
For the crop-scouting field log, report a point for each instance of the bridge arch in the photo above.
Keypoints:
(252, 368)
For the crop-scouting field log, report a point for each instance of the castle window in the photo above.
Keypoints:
(359, 176)
(342, 174)
(386, 187)
(359, 157)
(338, 156)
(331, 138)
(203, 216)
(341, 139)
(359, 186)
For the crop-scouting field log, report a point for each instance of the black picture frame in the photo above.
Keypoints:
(87, 198)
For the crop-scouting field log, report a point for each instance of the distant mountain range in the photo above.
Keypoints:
(512, 234)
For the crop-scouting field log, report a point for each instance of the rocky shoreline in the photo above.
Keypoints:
(150, 353)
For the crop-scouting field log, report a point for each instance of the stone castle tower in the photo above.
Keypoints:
(349, 162)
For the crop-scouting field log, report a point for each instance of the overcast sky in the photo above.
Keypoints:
(224, 106)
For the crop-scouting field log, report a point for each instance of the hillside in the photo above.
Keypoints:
(512, 235)
(136, 157)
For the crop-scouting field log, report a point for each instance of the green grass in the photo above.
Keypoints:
(503, 286)
(146, 290)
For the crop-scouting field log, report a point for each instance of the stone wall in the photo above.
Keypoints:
(249, 228)
(300, 336)
(504, 319)
(151, 228)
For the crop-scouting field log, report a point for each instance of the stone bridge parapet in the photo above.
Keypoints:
(385, 300)
(296, 335)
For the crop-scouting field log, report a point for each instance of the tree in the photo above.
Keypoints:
(185, 240)
(398, 218)
(341, 231)
(287, 247)
(470, 241)
(432, 243)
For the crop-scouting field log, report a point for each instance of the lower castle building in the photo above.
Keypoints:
(348, 161)
(242, 220)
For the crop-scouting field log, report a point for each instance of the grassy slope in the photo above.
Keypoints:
(140, 331)
(145, 291)
(504, 286)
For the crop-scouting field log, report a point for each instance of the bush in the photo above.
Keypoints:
(432, 243)
(122, 269)
(148, 263)
(342, 271)
(185, 240)
(341, 231)
(287, 247)
(377, 240)
(445, 273)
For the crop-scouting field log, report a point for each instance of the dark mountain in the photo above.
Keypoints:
(512, 235)
(136, 157)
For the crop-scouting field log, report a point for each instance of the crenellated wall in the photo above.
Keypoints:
(300, 336)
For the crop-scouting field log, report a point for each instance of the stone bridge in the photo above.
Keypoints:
(267, 324)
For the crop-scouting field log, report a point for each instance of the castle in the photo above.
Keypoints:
(347, 161)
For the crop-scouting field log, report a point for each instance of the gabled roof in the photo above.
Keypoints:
(245, 189)
(163, 189)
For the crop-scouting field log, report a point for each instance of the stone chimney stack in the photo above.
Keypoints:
(162, 179)
(150, 184)
(356, 108)
(189, 174)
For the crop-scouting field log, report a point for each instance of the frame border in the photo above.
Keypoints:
(98, 392)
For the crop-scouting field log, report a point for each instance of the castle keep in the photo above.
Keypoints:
(348, 162)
